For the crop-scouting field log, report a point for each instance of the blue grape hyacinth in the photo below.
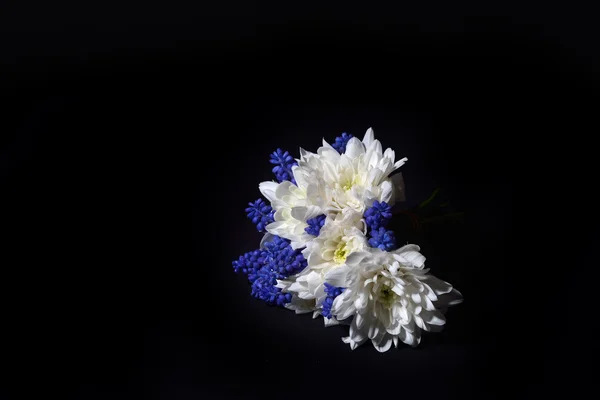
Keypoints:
(249, 262)
(378, 215)
(260, 213)
(273, 247)
(280, 257)
(265, 266)
(332, 292)
(341, 142)
(263, 287)
(382, 239)
(315, 224)
(283, 165)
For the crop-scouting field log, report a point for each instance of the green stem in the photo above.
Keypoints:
(435, 192)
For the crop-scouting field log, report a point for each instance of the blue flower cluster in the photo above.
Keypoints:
(382, 239)
(332, 292)
(249, 262)
(377, 217)
(341, 142)
(277, 260)
(260, 214)
(282, 258)
(264, 267)
(283, 165)
(315, 224)
(263, 287)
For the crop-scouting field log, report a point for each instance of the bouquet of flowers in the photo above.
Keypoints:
(326, 248)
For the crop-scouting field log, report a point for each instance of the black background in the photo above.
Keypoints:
(111, 115)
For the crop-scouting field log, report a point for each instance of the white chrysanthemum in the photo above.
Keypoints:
(329, 182)
(390, 296)
(292, 208)
(355, 178)
(341, 235)
(294, 204)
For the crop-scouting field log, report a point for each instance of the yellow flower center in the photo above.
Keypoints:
(387, 297)
(349, 183)
(340, 254)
